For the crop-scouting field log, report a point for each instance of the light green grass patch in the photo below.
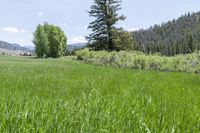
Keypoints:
(62, 95)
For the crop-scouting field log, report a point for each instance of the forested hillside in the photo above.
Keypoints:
(180, 36)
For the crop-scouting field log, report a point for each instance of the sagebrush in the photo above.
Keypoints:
(141, 61)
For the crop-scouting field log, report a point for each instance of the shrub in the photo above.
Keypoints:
(138, 60)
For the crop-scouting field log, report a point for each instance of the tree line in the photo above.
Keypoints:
(179, 36)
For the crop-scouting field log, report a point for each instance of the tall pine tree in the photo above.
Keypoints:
(106, 17)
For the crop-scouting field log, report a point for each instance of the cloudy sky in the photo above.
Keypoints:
(18, 18)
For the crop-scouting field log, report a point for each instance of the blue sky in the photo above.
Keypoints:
(19, 18)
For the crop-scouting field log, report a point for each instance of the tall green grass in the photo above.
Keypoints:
(62, 95)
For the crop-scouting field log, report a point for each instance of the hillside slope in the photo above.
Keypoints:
(12, 49)
(179, 36)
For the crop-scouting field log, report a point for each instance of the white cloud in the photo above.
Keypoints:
(128, 28)
(64, 24)
(22, 31)
(85, 27)
(77, 39)
(133, 29)
(124, 26)
(12, 30)
(40, 14)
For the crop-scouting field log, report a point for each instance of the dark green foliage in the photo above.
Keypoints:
(191, 43)
(50, 41)
(123, 40)
(103, 27)
(179, 36)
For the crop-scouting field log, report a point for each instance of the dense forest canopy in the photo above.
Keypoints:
(179, 36)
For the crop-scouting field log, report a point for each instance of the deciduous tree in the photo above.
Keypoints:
(50, 41)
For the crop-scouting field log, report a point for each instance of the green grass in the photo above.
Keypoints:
(62, 95)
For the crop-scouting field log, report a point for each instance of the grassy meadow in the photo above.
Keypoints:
(64, 95)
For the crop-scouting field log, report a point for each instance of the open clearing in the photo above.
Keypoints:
(63, 95)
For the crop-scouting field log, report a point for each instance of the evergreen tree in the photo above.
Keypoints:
(191, 43)
(179, 36)
(105, 12)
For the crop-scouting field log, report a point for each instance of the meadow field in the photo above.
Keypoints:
(65, 95)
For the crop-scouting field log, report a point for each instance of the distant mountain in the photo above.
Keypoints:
(76, 46)
(30, 47)
(13, 47)
(71, 48)
(179, 36)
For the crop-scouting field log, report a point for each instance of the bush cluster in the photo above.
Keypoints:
(141, 61)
